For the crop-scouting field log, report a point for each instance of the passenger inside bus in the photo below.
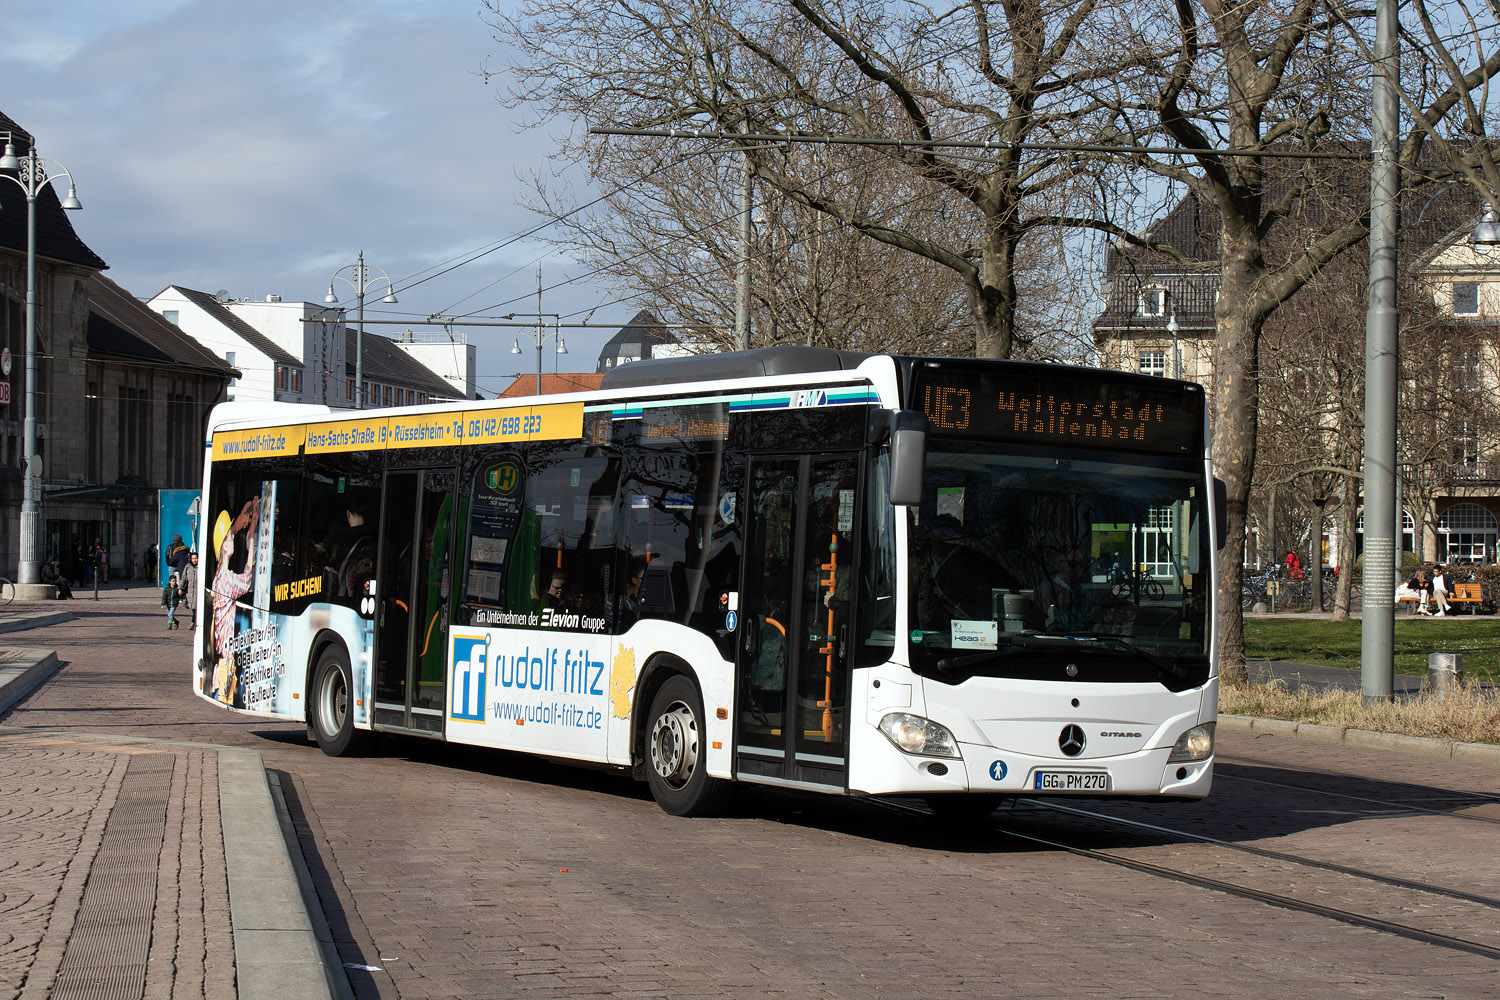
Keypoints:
(556, 599)
(350, 549)
(627, 607)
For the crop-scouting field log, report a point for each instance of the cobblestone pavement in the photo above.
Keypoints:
(449, 871)
(117, 846)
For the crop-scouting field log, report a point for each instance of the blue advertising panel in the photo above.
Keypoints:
(177, 514)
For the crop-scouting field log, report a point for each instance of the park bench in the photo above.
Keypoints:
(1466, 593)
(1463, 593)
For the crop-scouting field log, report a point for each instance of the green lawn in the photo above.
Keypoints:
(1316, 640)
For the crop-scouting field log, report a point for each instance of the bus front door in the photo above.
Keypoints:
(792, 653)
(412, 599)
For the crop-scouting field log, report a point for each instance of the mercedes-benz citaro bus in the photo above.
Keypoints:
(849, 573)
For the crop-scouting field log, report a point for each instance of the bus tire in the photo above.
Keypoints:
(959, 809)
(677, 753)
(332, 699)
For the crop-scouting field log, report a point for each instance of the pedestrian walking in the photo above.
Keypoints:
(171, 595)
(148, 563)
(101, 562)
(188, 587)
(78, 566)
(177, 555)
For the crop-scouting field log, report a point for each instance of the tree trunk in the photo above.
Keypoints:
(1236, 399)
(1348, 517)
(992, 299)
(1315, 557)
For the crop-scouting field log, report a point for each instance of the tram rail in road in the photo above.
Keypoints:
(1279, 900)
(1458, 799)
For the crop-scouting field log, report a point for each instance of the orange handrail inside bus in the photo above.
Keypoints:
(831, 582)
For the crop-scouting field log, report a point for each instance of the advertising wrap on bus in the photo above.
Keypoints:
(258, 658)
(536, 690)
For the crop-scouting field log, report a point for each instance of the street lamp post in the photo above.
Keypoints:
(539, 338)
(1173, 329)
(31, 176)
(360, 280)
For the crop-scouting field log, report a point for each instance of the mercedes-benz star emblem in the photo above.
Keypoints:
(1071, 741)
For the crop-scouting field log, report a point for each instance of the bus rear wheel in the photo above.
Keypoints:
(676, 753)
(331, 704)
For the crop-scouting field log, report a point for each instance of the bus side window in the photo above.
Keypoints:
(572, 496)
(499, 572)
(341, 516)
(677, 518)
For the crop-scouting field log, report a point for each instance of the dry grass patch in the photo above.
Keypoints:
(1469, 714)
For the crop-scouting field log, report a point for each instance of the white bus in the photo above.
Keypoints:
(815, 569)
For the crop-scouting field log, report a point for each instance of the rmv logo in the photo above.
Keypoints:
(471, 657)
(809, 397)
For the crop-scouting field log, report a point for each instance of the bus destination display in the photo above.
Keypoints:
(1068, 410)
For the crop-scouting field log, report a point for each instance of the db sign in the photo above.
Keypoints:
(5, 392)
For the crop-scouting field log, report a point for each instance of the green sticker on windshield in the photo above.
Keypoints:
(916, 635)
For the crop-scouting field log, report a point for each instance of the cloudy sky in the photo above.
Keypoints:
(258, 147)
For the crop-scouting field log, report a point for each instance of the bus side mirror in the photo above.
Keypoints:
(908, 456)
(1221, 512)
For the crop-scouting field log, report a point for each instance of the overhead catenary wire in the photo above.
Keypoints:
(404, 284)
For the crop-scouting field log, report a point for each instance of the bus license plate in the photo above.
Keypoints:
(1071, 781)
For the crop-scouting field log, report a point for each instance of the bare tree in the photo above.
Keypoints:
(1248, 81)
(668, 234)
(909, 82)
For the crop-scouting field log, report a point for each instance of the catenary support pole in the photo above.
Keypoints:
(1378, 623)
(742, 266)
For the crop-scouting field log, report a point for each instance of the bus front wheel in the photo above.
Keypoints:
(331, 705)
(676, 753)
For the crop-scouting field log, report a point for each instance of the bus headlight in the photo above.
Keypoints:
(1195, 744)
(916, 735)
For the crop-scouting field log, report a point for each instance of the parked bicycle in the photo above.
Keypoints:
(1274, 587)
(7, 591)
(1259, 588)
(1135, 587)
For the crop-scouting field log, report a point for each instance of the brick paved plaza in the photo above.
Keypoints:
(453, 872)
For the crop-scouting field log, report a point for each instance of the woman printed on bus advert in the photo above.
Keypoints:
(233, 576)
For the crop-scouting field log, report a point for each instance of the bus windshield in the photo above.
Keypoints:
(1086, 567)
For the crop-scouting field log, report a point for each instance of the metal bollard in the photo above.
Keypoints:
(1444, 672)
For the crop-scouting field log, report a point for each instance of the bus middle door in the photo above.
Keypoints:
(792, 654)
(414, 583)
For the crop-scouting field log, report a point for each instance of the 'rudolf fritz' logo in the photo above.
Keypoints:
(470, 662)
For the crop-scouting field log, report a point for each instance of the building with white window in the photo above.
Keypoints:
(299, 352)
(1158, 319)
(122, 398)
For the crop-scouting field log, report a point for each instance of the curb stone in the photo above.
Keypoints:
(1479, 753)
(19, 623)
(30, 669)
(281, 942)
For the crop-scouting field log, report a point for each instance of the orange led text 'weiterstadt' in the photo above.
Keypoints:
(1106, 420)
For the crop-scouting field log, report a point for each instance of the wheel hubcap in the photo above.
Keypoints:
(335, 702)
(674, 745)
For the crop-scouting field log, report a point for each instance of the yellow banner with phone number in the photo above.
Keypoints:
(543, 422)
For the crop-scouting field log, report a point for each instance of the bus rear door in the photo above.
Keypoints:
(792, 654)
(414, 582)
